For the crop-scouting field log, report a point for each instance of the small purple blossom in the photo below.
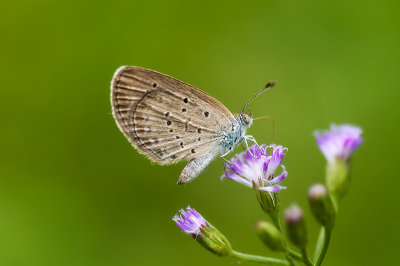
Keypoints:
(339, 142)
(258, 166)
(190, 221)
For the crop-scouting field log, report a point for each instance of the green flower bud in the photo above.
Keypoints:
(321, 205)
(270, 235)
(295, 226)
(214, 241)
(337, 177)
(269, 201)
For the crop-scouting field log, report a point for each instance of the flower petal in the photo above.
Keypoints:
(237, 178)
(189, 221)
(272, 189)
(276, 160)
(280, 177)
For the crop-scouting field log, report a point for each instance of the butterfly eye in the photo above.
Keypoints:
(246, 118)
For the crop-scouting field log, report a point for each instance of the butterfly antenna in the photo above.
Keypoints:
(273, 124)
(269, 85)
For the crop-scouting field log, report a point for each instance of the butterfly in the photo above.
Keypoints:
(169, 121)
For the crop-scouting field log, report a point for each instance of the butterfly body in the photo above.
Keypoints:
(169, 121)
(235, 136)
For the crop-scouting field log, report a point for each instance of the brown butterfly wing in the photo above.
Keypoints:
(166, 119)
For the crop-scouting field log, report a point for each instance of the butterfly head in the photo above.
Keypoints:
(246, 119)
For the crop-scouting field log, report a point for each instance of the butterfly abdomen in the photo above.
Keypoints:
(195, 167)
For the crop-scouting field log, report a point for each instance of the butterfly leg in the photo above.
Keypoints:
(225, 160)
(251, 138)
(247, 146)
(225, 154)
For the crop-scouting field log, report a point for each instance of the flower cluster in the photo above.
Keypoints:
(257, 166)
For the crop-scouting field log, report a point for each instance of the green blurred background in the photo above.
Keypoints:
(74, 192)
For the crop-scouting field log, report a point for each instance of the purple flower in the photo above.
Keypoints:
(339, 142)
(193, 224)
(190, 221)
(258, 166)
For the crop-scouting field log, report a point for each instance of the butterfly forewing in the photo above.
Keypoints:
(166, 119)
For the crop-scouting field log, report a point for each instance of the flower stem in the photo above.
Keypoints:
(290, 253)
(322, 245)
(259, 259)
(278, 224)
(335, 202)
(294, 255)
(306, 260)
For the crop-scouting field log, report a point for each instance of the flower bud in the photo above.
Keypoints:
(270, 235)
(269, 201)
(295, 226)
(321, 205)
(214, 241)
(193, 224)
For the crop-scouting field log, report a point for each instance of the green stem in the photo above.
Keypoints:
(291, 253)
(335, 202)
(290, 260)
(294, 255)
(278, 224)
(322, 245)
(259, 259)
(306, 260)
